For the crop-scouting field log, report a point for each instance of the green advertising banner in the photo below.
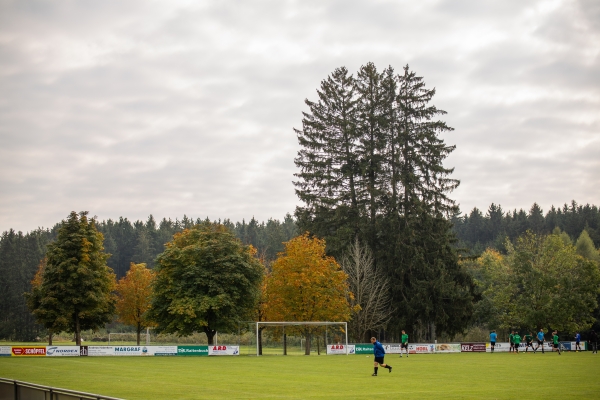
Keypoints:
(363, 348)
(192, 350)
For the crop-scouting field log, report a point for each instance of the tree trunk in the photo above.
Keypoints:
(210, 335)
(318, 346)
(284, 344)
(77, 331)
(139, 330)
(50, 334)
(307, 344)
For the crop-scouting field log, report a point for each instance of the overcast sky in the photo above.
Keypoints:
(130, 108)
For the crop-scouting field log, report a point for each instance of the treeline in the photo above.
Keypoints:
(126, 241)
(477, 231)
(141, 242)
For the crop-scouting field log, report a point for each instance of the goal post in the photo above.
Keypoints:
(300, 323)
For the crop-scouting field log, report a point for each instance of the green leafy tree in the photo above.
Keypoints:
(76, 288)
(206, 280)
(542, 282)
(585, 247)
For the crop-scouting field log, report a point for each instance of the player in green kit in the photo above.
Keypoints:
(528, 342)
(555, 342)
(404, 344)
(511, 342)
(516, 341)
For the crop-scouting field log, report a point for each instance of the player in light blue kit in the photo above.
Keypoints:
(540, 340)
(493, 337)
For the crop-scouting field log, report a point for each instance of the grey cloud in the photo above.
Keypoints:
(129, 108)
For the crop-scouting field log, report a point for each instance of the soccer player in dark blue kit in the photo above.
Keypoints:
(379, 352)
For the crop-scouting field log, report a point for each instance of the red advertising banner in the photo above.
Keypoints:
(29, 351)
(472, 347)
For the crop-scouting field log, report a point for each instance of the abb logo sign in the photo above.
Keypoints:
(29, 351)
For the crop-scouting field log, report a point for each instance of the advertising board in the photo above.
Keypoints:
(162, 351)
(5, 351)
(223, 350)
(392, 348)
(421, 348)
(363, 348)
(62, 351)
(192, 350)
(447, 348)
(499, 347)
(340, 349)
(27, 351)
(472, 347)
(131, 350)
(94, 351)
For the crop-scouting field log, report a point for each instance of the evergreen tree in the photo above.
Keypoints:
(77, 284)
(329, 163)
(371, 166)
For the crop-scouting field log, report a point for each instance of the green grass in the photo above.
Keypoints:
(463, 375)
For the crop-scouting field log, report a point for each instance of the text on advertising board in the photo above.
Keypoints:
(29, 351)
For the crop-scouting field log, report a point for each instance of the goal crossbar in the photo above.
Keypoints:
(300, 323)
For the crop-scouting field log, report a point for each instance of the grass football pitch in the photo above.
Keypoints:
(461, 375)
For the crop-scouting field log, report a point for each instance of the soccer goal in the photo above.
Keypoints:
(328, 329)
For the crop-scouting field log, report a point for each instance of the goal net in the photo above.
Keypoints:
(296, 337)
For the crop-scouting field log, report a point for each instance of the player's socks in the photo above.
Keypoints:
(375, 371)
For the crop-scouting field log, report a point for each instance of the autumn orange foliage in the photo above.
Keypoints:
(134, 293)
(306, 285)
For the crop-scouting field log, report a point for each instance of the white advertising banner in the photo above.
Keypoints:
(340, 349)
(5, 351)
(392, 348)
(100, 350)
(421, 348)
(499, 347)
(447, 348)
(161, 351)
(62, 351)
(223, 350)
(131, 350)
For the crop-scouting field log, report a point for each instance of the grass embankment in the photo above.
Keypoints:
(464, 375)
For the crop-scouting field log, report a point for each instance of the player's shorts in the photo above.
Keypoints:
(512, 345)
(492, 344)
(527, 344)
(379, 360)
(578, 343)
(555, 345)
(540, 342)
(404, 345)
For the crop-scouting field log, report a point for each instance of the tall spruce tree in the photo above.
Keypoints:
(389, 173)
(329, 162)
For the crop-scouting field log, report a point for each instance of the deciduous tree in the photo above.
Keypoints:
(134, 296)
(542, 282)
(307, 285)
(206, 280)
(371, 301)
